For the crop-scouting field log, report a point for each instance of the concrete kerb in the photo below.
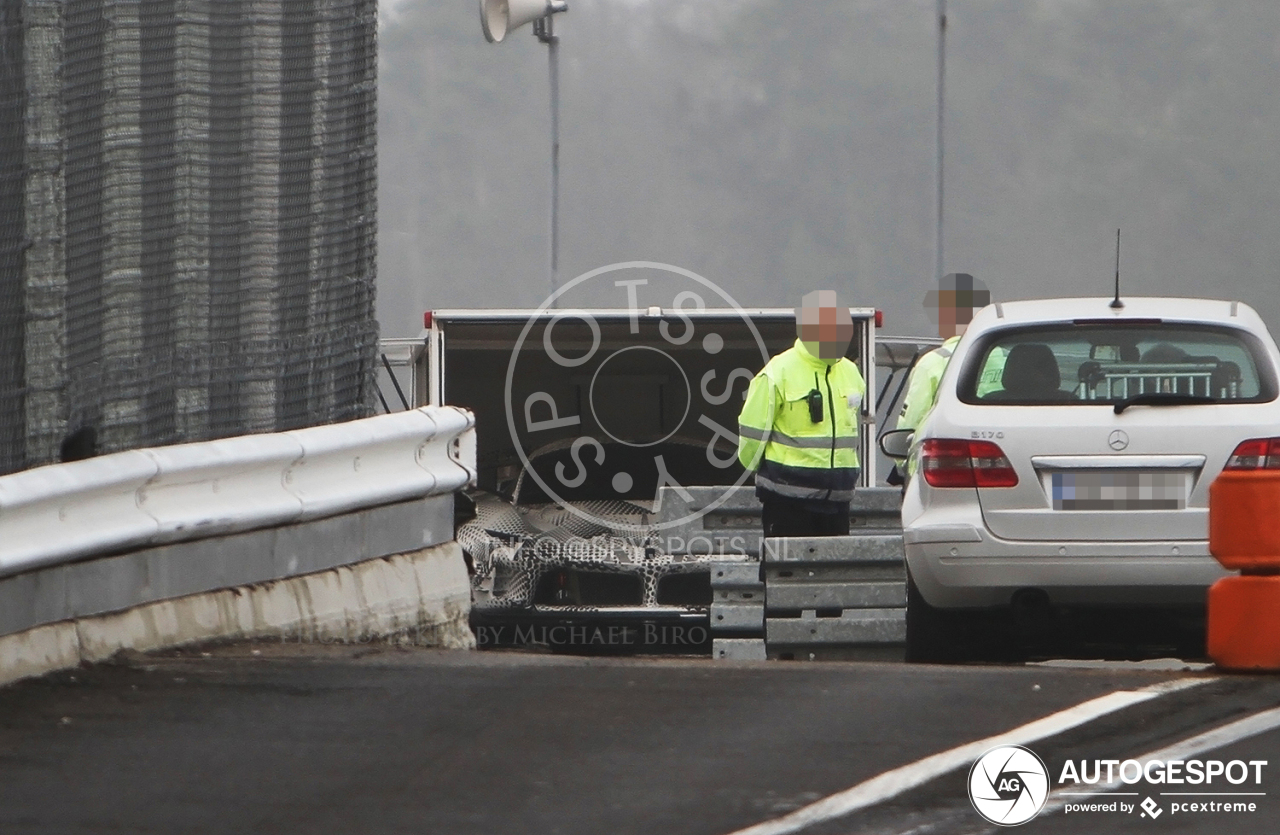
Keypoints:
(421, 597)
(37, 651)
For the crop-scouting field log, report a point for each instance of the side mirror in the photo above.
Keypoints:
(897, 444)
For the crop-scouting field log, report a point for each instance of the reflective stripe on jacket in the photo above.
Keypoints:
(791, 455)
(922, 387)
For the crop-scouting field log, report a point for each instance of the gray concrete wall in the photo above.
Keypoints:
(110, 584)
(389, 571)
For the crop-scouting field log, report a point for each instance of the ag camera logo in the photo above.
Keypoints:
(1008, 785)
(613, 366)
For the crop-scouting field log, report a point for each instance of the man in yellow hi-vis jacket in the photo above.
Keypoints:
(798, 431)
(958, 297)
(922, 385)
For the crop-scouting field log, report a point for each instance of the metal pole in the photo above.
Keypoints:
(387, 364)
(942, 75)
(543, 29)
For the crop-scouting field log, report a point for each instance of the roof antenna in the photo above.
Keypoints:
(1116, 304)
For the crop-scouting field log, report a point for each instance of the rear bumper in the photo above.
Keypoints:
(604, 630)
(977, 570)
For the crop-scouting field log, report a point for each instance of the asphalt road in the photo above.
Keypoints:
(385, 740)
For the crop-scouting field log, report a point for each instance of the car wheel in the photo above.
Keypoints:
(940, 636)
(930, 637)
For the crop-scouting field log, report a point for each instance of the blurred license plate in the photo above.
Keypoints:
(1119, 490)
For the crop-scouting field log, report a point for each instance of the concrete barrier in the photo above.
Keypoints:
(341, 532)
(420, 598)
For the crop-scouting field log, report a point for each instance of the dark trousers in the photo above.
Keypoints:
(792, 518)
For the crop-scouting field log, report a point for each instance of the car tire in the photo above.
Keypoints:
(940, 636)
(930, 637)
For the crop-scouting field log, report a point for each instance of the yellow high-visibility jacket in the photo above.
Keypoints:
(791, 455)
(922, 386)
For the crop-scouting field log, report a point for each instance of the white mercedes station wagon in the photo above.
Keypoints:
(1078, 488)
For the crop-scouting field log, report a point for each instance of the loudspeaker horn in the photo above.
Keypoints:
(498, 17)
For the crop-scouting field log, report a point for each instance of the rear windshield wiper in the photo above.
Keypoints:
(1169, 399)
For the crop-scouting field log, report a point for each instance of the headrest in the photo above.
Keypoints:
(1030, 370)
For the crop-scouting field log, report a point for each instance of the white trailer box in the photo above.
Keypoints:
(597, 433)
(636, 385)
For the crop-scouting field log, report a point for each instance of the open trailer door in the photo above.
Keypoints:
(538, 379)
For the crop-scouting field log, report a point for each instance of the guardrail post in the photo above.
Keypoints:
(835, 597)
(737, 611)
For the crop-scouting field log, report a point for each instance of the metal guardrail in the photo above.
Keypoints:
(720, 520)
(816, 597)
(737, 611)
(826, 597)
(128, 500)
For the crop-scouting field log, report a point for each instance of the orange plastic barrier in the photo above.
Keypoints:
(1244, 520)
(1244, 622)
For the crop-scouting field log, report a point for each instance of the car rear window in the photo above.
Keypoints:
(1083, 364)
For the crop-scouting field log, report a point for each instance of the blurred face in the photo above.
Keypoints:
(955, 301)
(824, 325)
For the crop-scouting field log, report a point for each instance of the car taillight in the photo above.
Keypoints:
(990, 466)
(1255, 454)
(945, 463)
(952, 463)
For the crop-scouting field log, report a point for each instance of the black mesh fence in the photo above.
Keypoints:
(187, 208)
(12, 289)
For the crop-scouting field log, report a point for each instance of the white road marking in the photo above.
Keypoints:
(892, 783)
(1159, 665)
(1221, 737)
